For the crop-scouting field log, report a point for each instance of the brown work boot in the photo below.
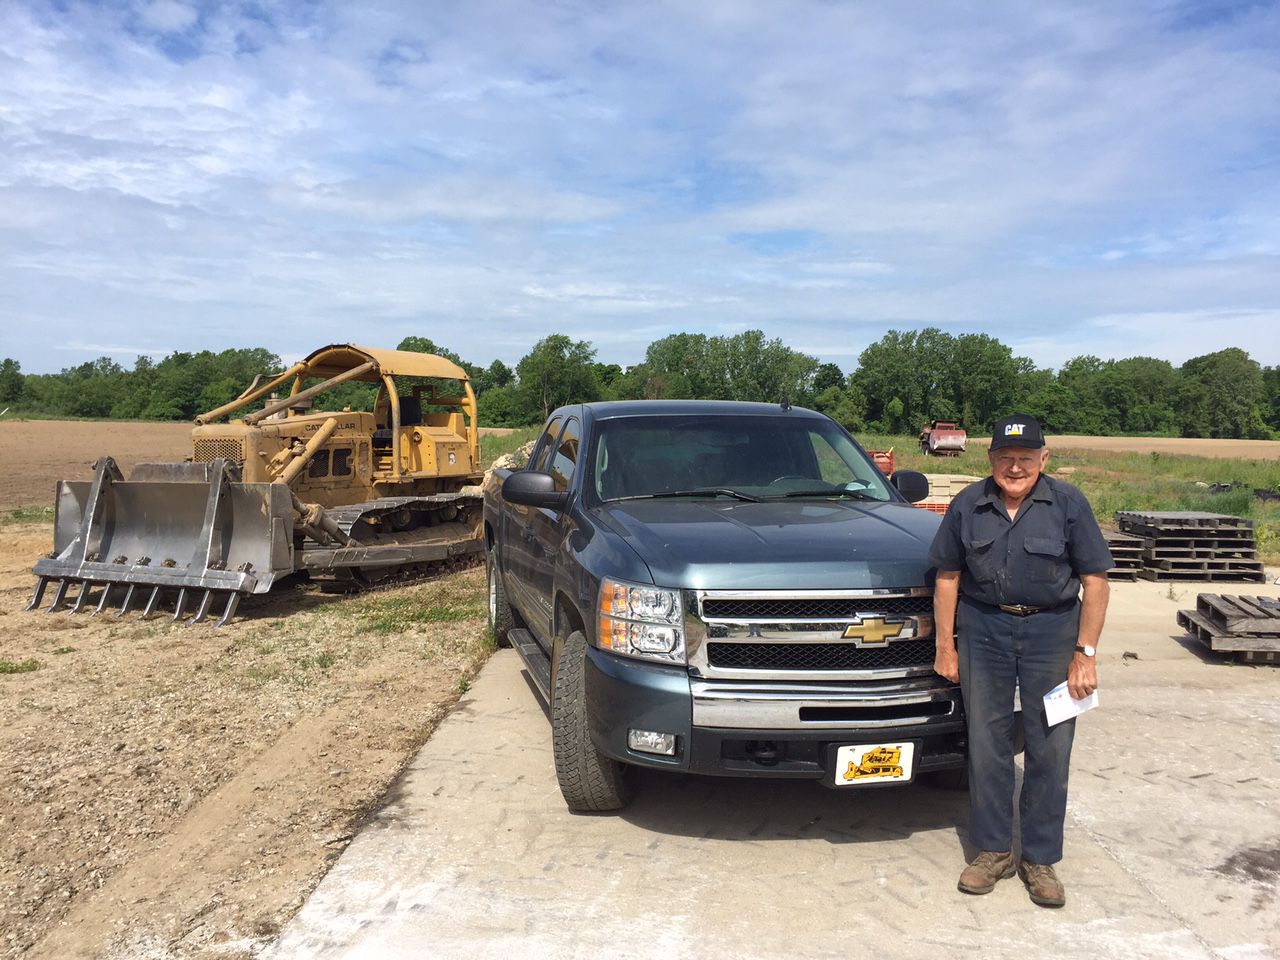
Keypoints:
(1042, 884)
(981, 874)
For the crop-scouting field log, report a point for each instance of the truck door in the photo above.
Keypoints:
(517, 529)
(550, 527)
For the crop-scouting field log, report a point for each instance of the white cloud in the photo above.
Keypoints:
(1094, 180)
(169, 16)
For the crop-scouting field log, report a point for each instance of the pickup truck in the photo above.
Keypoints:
(719, 588)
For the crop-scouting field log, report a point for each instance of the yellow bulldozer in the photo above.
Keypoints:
(347, 497)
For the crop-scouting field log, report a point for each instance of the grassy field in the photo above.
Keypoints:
(1113, 481)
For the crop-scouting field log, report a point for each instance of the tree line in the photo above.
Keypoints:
(900, 382)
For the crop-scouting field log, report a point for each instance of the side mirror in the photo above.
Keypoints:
(912, 485)
(533, 488)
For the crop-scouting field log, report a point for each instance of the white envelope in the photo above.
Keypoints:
(1059, 705)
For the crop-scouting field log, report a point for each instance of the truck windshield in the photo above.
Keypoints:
(760, 457)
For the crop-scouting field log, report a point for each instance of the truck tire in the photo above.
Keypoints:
(501, 617)
(589, 780)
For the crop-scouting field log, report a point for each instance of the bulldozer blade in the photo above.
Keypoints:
(85, 589)
(102, 601)
(233, 601)
(202, 611)
(182, 602)
(59, 596)
(41, 583)
(150, 606)
(128, 600)
(205, 528)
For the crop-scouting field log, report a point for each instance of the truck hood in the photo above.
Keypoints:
(776, 545)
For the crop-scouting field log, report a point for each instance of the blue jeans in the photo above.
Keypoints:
(998, 651)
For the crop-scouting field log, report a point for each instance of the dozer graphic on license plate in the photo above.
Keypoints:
(345, 497)
(880, 762)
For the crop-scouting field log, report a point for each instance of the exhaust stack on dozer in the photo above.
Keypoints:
(346, 496)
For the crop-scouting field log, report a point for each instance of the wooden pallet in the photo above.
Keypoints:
(1233, 576)
(1247, 627)
(1126, 551)
(1163, 521)
(1185, 545)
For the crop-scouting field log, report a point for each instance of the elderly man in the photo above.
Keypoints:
(1012, 554)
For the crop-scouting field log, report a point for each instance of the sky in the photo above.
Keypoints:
(1082, 178)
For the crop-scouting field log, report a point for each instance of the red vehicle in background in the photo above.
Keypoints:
(943, 438)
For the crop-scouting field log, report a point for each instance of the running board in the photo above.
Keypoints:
(535, 660)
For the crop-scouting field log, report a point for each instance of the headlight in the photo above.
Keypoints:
(641, 621)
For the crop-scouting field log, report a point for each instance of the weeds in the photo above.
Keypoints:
(61, 650)
(19, 666)
(27, 515)
(397, 614)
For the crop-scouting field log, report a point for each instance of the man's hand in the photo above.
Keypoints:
(1082, 676)
(946, 663)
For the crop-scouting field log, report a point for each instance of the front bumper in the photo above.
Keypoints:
(726, 728)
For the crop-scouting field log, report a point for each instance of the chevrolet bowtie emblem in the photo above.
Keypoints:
(872, 631)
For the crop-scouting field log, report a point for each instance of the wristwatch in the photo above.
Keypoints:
(1087, 650)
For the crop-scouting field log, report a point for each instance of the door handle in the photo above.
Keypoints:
(526, 533)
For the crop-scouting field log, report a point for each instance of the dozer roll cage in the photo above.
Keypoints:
(340, 362)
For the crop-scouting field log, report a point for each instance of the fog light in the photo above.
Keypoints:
(650, 741)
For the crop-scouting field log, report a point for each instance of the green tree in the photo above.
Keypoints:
(11, 380)
(557, 371)
(1271, 389)
(1230, 395)
(826, 376)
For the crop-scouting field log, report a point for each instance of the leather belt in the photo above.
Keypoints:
(1020, 609)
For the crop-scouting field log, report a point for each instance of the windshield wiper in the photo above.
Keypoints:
(837, 492)
(704, 492)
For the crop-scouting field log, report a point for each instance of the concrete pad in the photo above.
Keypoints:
(1173, 840)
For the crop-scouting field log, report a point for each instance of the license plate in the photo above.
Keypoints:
(862, 764)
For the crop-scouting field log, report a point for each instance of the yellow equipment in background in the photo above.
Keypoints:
(347, 497)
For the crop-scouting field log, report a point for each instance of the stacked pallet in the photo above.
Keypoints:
(1126, 551)
(943, 488)
(1248, 627)
(1181, 545)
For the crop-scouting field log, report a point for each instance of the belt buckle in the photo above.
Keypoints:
(1018, 609)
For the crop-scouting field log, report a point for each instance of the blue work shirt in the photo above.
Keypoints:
(1035, 559)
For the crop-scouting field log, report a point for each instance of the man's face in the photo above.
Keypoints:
(1016, 469)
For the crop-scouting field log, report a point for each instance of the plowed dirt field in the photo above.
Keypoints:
(175, 791)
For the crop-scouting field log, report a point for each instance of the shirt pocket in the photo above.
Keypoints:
(980, 559)
(1047, 558)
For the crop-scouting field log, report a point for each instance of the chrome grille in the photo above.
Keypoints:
(819, 656)
(208, 449)
(791, 635)
(825, 608)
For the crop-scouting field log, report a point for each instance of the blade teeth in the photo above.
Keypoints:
(202, 611)
(85, 589)
(150, 606)
(102, 601)
(38, 596)
(233, 601)
(182, 602)
(59, 596)
(128, 600)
